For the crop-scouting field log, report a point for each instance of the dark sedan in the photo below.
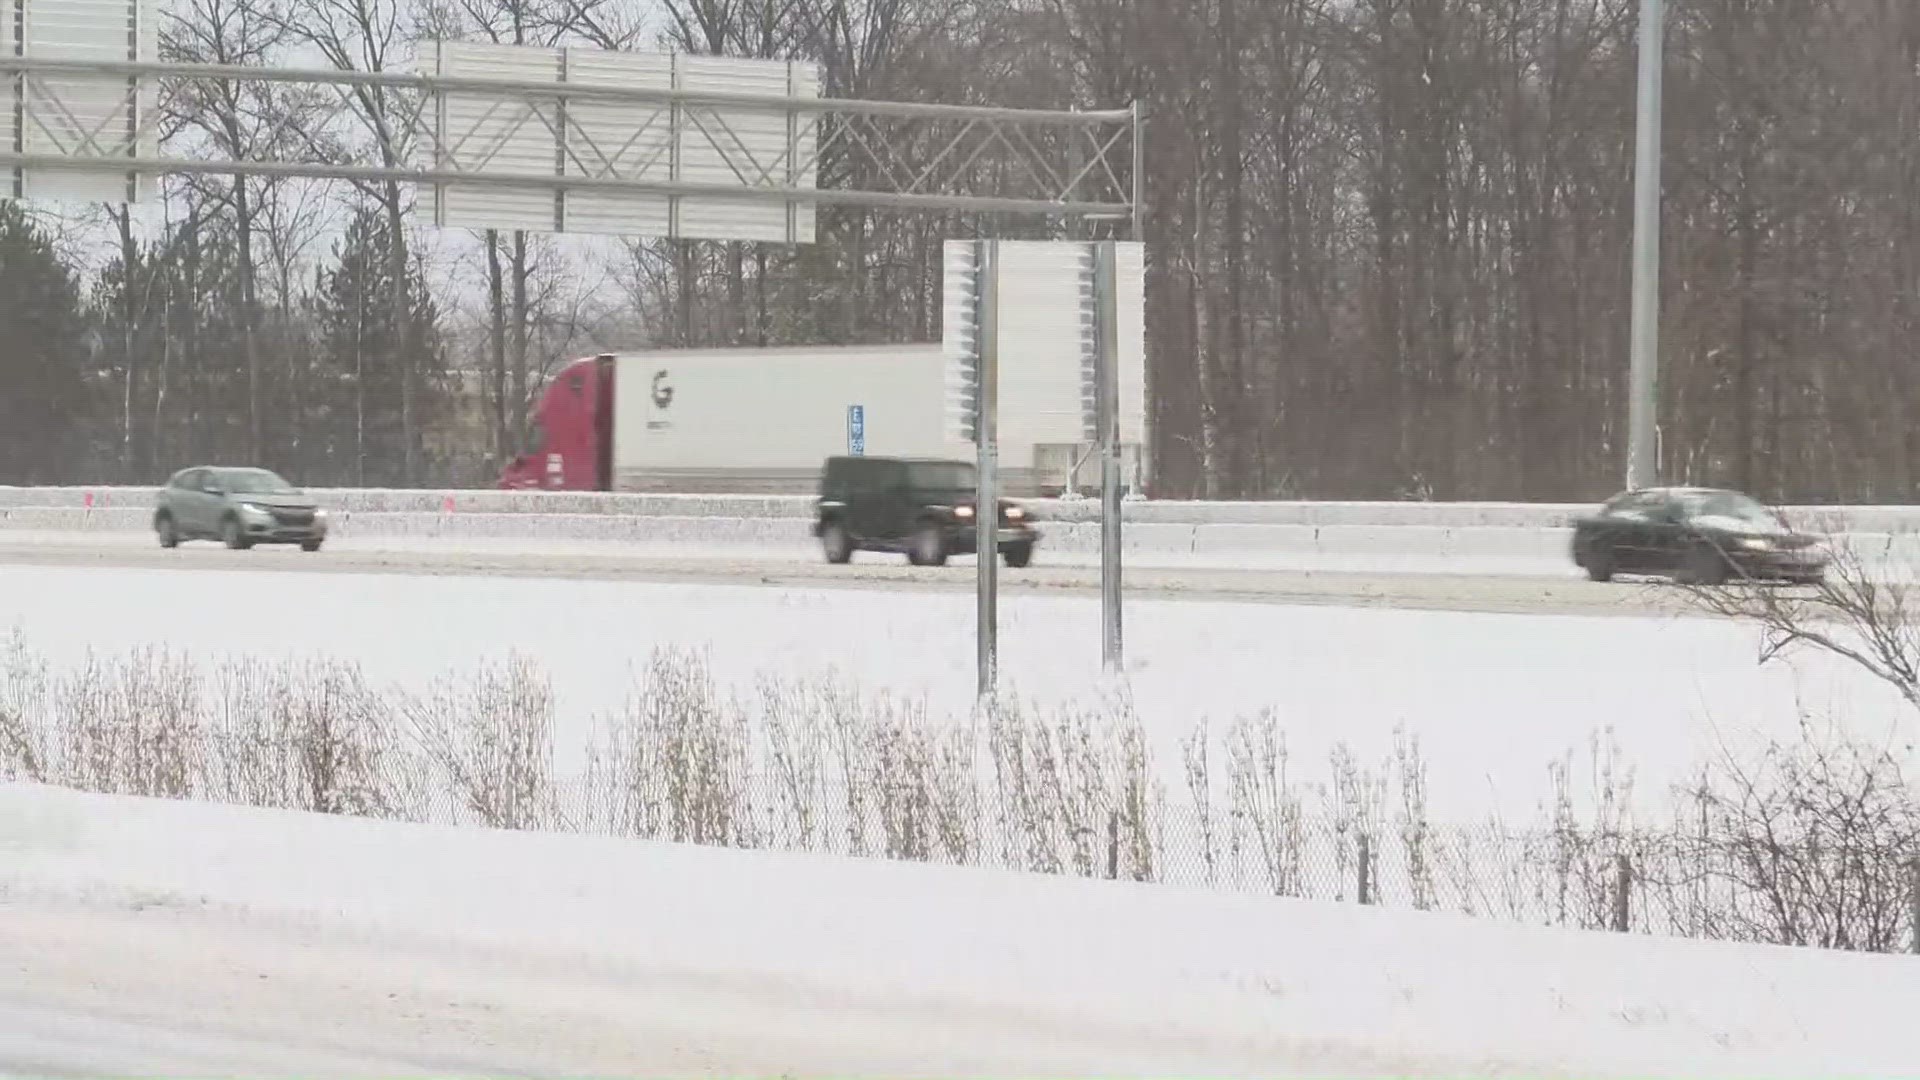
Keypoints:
(1699, 535)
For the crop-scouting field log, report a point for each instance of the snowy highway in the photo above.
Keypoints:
(1519, 587)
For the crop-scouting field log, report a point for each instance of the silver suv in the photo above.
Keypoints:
(241, 507)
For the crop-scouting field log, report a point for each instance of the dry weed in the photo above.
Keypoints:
(490, 736)
(24, 703)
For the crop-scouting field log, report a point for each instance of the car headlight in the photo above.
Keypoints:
(1015, 513)
(319, 515)
(963, 511)
(255, 509)
(1757, 543)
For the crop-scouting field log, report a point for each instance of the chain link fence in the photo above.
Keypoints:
(1648, 881)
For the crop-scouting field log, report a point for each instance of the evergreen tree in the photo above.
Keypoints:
(46, 429)
(384, 384)
(173, 343)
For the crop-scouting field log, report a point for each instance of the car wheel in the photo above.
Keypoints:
(169, 535)
(1706, 565)
(310, 545)
(236, 539)
(1599, 563)
(928, 547)
(1019, 556)
(837, 545)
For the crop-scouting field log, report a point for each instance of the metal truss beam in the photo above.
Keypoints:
(405, 80)
(376, 174)
(879, 154)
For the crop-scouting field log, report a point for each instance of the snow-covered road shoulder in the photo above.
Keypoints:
(244, 941)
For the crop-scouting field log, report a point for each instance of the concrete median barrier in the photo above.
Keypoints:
(75, 519)
(374, 500)
(1455, 515)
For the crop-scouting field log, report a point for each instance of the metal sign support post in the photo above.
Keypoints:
(1643, 414)
(1106, 296)
(986, 518)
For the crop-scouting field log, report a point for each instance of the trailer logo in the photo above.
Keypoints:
(662, 397)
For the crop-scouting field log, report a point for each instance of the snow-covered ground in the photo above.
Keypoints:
(151, 938)
(1493, 698)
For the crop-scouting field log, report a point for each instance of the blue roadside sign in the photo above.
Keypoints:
(856, 430)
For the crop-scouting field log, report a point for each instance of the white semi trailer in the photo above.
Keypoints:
(763, 421)
(748, 421)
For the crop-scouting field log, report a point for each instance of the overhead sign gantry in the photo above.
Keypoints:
(586, 141)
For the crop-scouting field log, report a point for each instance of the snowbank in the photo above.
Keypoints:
(753, 962)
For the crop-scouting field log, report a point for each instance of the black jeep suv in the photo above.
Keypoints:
(923, 507)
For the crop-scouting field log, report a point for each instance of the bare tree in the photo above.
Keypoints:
(243, 120)
(1387, 239)
(1857, 612)
(369, 35)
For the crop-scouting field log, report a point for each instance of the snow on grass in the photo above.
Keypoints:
(806, 965)
(1493, 698)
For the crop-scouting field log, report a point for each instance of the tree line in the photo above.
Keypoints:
(1388, 246)
(162, 362)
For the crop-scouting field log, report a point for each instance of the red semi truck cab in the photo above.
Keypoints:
(572, 444)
